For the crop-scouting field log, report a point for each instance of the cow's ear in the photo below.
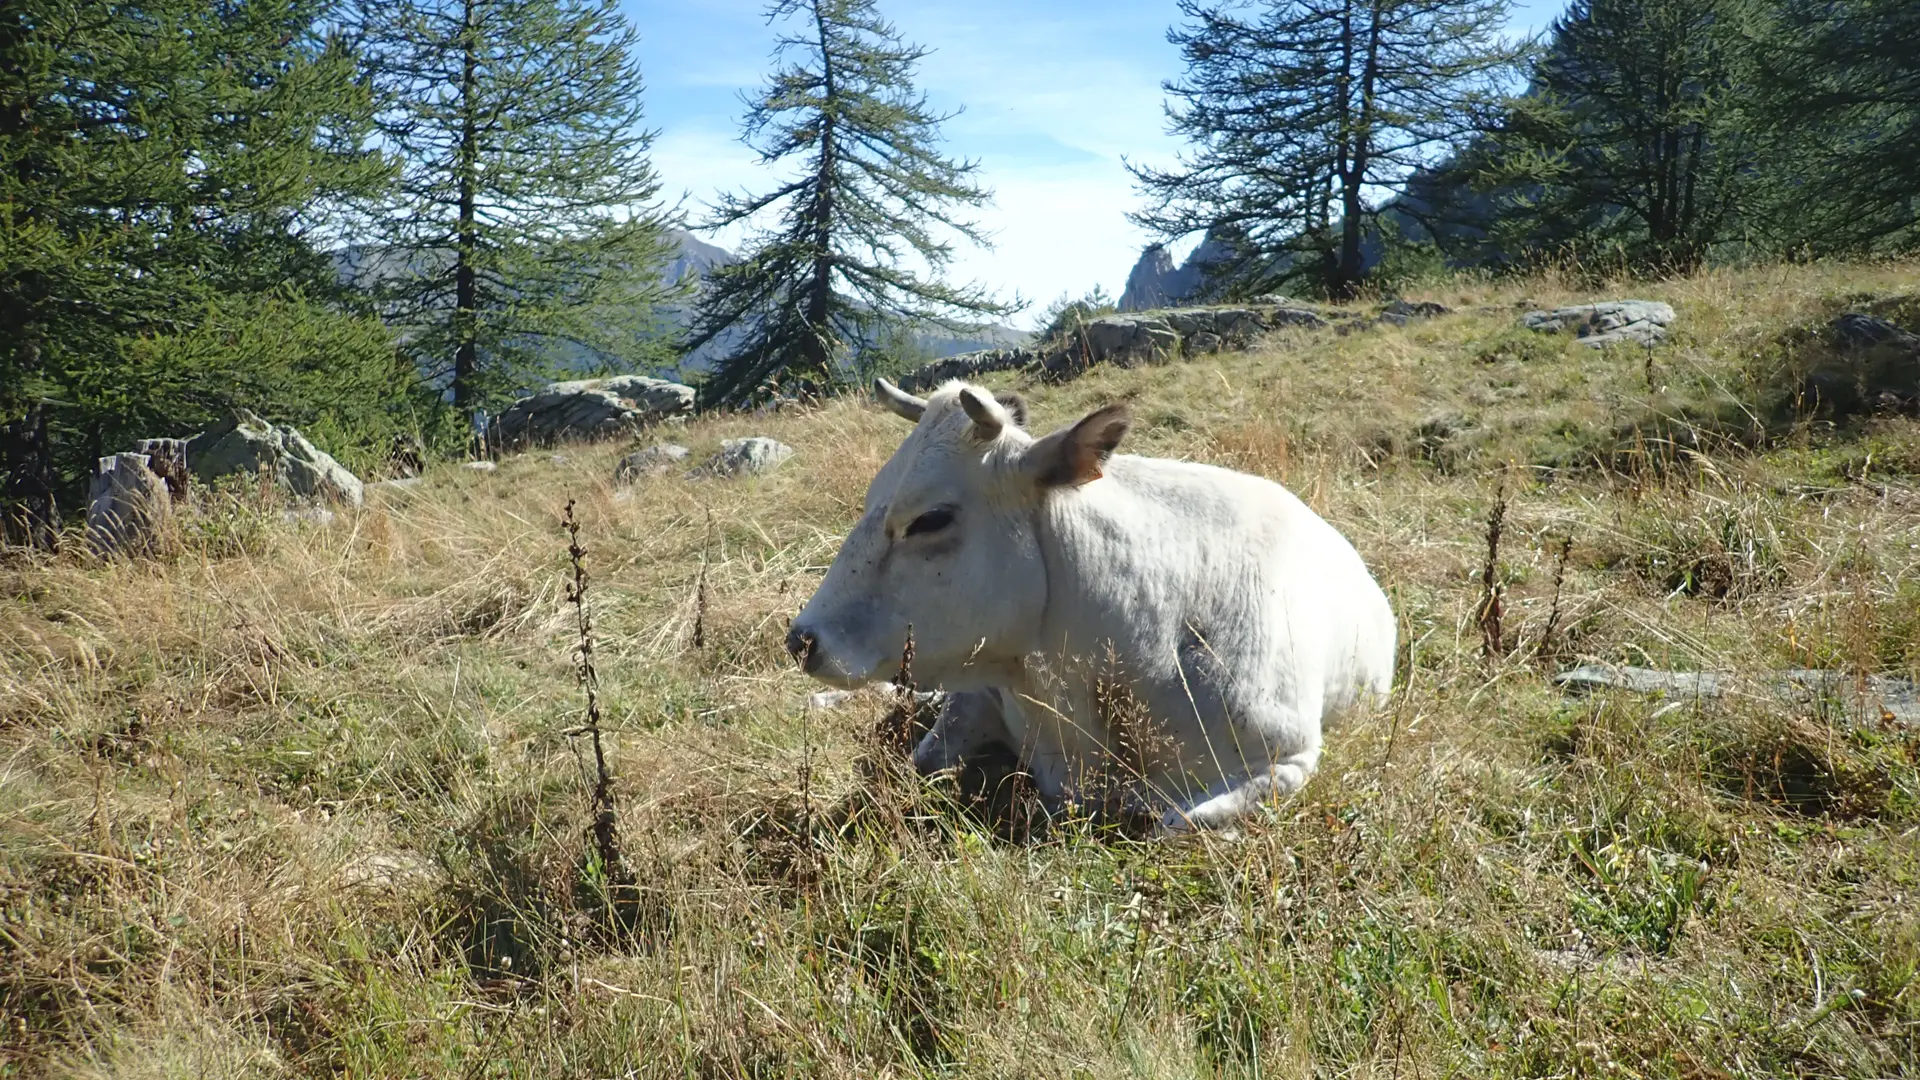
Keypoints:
(1075, 455)
(898, 401)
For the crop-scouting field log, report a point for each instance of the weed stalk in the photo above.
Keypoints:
(622, 887)
(1492, 599)
(1548, 650)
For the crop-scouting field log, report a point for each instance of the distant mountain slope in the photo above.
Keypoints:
(693, 258)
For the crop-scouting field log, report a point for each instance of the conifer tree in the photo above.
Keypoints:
(1304, 115)
(870, 195)
(1628, 141)
(1833, 93)
(525, 224)
(156, 160)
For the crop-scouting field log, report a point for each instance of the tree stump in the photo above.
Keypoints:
(126, 507)
(168, 460)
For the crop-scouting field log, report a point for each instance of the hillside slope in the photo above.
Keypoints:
(313, 799)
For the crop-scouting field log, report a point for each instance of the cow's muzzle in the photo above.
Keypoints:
(804, 646)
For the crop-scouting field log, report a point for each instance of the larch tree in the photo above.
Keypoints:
(1627, 145)
(858, 237)
(164, 172)
(1306, 116)
(1832, 91)
(525, 227)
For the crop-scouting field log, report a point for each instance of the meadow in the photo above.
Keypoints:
(313, 799)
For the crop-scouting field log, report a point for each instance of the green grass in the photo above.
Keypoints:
(311, 800)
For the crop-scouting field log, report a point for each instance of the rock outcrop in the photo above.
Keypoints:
(755, 456)
(591, 409)
(653, 461)
(1611, 322)
(250, 446)
(1874, 366)
(968, 366)
(1124, 341)
(1872, 700)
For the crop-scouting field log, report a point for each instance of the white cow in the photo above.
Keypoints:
(1038, 574)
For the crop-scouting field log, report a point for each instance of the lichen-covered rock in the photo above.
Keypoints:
(591, 409)
(754, 456)
(250, 446)
(1401, 312)
(1130, 340)
(1611, 322)
(653, 461)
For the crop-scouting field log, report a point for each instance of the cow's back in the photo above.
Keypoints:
(1218, 590)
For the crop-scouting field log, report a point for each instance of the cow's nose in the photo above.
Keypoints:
(804, 647)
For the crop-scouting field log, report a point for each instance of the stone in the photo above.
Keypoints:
(480, 466)
(1400, 312)
(1875, 367)
(127, 504)
(584, 409)
(1204, 342)
(1876, 699)
(966, 366)
(1611, 322)
(653, 461)
(250, 446)
(1129, 340)
(754, 456)
(1857, 331)
(308, 515)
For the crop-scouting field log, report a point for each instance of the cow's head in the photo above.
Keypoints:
(948, 542)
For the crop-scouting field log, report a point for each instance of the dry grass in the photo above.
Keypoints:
(311, 800)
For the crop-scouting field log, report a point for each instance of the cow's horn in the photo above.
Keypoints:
(898, 400)
(984, 416)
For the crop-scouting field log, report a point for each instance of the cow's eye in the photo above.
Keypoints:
(930, 522)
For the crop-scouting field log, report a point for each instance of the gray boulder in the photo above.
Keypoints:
(1130, 340)
(653, 461)
(1876, 699)
(1400, 312)
(1857, 331)
(1611, 322)
(1874, 367)
(250, 446)
(592, 409)
(754, 456)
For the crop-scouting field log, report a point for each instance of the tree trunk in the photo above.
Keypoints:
(32, 519)
(1338, 287)
(465, 276)
(126, 507)
(820, 289)
(1352, 265)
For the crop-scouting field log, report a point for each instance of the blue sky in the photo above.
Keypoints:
(1054, 93)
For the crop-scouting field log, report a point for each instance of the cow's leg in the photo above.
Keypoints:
(1285, 777)
(968, 721)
